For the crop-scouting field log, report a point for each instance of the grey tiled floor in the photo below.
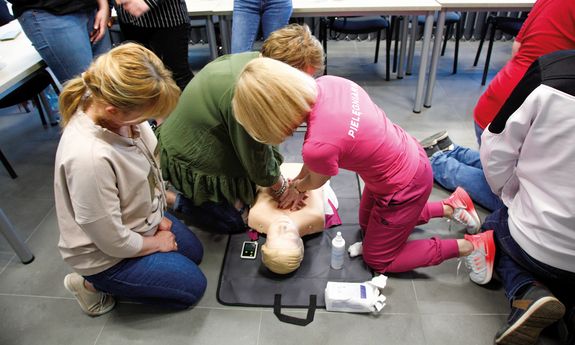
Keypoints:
(428, 306)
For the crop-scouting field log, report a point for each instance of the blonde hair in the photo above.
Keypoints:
(272, 99)
(128, 77)
(282, 261)
(295, 45)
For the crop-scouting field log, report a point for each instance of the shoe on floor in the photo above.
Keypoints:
(536, 309)
(440, 139)
(480, 261)
(463, 210)
(92, 303)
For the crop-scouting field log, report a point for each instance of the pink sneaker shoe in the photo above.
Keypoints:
(463, 210)
(481, 260)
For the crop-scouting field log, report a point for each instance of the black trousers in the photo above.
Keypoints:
(170, 44)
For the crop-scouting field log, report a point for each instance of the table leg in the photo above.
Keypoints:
(14, 239)
(401, 64)
(212, 37)
(412, 39)
(434, 59)
(423, 65)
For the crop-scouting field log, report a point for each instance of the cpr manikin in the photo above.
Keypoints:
(283, 250)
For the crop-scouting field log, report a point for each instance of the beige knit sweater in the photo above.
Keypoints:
(108, 193)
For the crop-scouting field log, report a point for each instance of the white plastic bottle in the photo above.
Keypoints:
(337, 251)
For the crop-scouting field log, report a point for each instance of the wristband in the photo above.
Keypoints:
(282, 188)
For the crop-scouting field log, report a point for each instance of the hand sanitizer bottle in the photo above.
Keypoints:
(337, 251)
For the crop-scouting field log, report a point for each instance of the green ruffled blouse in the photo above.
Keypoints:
(204, 152)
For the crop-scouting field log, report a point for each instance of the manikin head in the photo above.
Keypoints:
(283, 251)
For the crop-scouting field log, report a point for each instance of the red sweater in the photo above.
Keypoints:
(549, 27)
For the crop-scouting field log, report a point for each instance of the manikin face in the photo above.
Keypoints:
(283, 234)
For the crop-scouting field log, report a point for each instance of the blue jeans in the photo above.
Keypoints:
(273, 14)
(64, 41)
(219, 218)
(170, 279)
(461, 167)
(517, 269)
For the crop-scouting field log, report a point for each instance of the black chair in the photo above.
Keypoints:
(30, 90)
(358, 25)
(452, 21)
(507, 25)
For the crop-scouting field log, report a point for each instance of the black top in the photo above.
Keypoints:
(58, 7)
(162, 14)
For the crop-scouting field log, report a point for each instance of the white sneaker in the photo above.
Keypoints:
(92, 303)
(481, 261)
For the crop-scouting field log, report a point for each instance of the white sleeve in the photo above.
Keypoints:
(500, 152)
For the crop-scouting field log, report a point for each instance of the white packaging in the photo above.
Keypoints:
(356, 297)
(337, 251)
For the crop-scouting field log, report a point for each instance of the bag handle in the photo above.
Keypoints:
(292, 319)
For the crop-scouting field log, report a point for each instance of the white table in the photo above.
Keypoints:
(316, 8)
(21, 60)
(21, 63)
(465, 5)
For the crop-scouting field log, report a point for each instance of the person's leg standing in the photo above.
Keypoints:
(276, 15)
(461, 167)
(63, 41)
(245, 24)
(171, 46)
(172, 279)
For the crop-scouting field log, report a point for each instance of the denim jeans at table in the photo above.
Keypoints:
(220, 218)
(517, 269)
(63, 41)
(273, 14)
(171, 279)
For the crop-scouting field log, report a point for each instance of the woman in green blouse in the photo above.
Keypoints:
(209, 157)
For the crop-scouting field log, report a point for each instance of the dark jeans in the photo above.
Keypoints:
(170, 44)
(171, 279)
(220, 218)
(517, 269)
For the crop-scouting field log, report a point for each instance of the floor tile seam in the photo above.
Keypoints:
(4, 294)
(260, 328)
(7, 264)
(102, 329)
(463, 314)
(40, 223)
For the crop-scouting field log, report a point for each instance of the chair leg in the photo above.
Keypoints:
(448, 30)
(488, 57)
(483, 34)
(387, 51)
(395, 48)
(377, 46)
(7, 165)
(36, 100)
(457, 37)
(323, 38)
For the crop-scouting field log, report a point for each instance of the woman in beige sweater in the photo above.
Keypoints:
(109, 193)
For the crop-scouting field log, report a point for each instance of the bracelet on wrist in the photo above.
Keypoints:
(281, 189)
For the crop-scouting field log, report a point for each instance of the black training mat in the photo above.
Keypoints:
(245, 282)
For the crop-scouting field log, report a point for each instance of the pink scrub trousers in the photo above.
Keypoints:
(388, 220)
